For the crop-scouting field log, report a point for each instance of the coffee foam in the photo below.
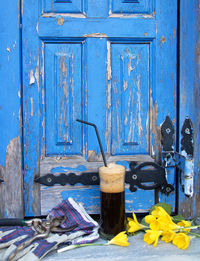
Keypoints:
(112, 178)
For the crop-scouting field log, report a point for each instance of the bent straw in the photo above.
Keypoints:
(98, 138)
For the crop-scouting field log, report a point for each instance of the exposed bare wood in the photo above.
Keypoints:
(49, 163)
(11, 191)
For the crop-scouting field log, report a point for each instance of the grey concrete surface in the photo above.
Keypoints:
(138, 250)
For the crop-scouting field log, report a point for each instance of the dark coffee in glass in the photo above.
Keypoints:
(112, 220)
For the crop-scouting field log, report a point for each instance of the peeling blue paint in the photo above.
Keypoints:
(80, 168)
(123, 163)
(5, 214)
(10, 76)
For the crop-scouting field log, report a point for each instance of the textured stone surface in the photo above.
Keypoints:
(138, 250)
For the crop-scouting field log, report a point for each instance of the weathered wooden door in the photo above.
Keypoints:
(112, 63)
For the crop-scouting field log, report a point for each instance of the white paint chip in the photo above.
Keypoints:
(31, 106)
(32, 78)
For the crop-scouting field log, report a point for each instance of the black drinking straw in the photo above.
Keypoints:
(98, 138)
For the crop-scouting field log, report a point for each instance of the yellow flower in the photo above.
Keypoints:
(134, 225)
(163, 222)
(184, 223)
(152, 236)
(166, 223)
(181, 240)
(159, 212)
(119, 240)
(168, 236)
(149, 219)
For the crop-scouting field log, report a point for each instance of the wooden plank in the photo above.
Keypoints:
(89, 196)
(190, 93)
(164, 85)
(31, 110)
(11, 191)
(49, 27)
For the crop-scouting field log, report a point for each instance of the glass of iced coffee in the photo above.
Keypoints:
(112, 219)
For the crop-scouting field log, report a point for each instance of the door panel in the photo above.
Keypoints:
(63, 6)
(130, 98)
(131, 6)
(112, 63)
(63, 98)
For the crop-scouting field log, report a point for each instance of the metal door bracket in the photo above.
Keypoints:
(184, 160)
(147, 176)
(186, 167)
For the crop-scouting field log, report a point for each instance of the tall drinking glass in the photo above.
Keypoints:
(112, 219)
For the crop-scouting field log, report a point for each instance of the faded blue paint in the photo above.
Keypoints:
(80, 168)
(90, 198)
(124, 163)
(5, 214)
(63, 92)
(164, 92)
(31, 106)
(10, 97)
(130, 64)
(190, 93)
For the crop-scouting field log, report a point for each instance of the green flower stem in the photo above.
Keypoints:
(194, 234)
(70, 247)
(191, 227)
(92, 244)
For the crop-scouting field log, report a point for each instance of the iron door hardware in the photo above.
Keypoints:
(147, 176)
(184, 160)
(87, 178)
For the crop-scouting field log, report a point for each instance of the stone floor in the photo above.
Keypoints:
(138, 250)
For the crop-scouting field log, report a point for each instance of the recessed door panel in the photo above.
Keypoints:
(131, 6)
(63, 97)
(63, 6)
(130, 97)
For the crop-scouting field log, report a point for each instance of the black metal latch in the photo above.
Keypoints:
(147, 176)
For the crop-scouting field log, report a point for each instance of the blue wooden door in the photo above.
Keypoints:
(112, 63)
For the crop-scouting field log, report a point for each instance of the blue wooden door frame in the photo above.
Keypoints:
(11, 100)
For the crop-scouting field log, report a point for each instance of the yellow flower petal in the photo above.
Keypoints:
(134, 225)
(152, 236)
(129, 219)
(149, 219)
(166, 223)
(135, 218)
(119, 240)
(184, 223)
(181, 240)
(158, 212)
(168, 236)
(155, 225)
